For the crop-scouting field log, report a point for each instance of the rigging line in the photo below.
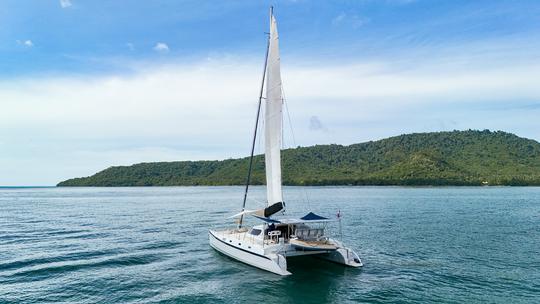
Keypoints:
(306, 199)
(288, 115)
(255, 133)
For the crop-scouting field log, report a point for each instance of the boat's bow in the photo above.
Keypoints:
(240, 246)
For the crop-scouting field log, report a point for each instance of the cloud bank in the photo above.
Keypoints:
(175, 111)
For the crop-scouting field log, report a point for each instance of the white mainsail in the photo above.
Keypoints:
(273, 119)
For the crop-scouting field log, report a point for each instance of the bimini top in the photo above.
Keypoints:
(313, 217)
(308, 218)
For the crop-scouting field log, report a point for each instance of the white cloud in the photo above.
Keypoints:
(205, 110)
(25, 43)
(161, 47)
(179, 99)
(351, 20)
(339, 18)
(65, 3)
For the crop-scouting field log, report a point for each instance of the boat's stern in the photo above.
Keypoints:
(343, 255)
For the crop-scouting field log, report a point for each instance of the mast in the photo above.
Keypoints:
(255, 131)
(273, 126)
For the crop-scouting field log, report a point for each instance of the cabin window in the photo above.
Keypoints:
(255, 231)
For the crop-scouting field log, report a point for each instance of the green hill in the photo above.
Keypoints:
(439, 158)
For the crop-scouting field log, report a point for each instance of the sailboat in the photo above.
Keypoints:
(269, 244)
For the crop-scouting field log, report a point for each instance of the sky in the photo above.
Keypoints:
(85, 85)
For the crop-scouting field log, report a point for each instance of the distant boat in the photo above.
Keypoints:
(268, 245)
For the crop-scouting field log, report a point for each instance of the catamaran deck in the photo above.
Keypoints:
(245, 241)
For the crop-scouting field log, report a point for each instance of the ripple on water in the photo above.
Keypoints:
(47, 270)
(125, 245)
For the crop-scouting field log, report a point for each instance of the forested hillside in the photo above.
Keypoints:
(438, 158)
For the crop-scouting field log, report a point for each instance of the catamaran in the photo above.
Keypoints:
(269, 244)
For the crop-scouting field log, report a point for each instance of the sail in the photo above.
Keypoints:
(273, 119)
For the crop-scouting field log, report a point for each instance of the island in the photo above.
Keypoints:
(453, 158)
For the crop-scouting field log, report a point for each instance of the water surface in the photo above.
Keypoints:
(150, 245)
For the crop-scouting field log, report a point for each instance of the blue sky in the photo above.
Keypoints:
(89, 84)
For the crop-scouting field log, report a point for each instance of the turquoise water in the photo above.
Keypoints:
(149, 245)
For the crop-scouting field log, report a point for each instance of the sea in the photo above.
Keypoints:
(150, 245)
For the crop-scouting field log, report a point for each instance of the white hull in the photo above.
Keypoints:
(343, 255)
(275, 263)
(244, 249)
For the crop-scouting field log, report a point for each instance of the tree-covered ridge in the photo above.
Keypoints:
(438, 158)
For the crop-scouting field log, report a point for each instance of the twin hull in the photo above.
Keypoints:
(274, 262)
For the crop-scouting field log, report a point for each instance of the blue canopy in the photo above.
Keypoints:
(310, 217)
(313, 217)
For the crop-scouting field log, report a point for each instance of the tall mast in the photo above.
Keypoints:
(248, 179)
